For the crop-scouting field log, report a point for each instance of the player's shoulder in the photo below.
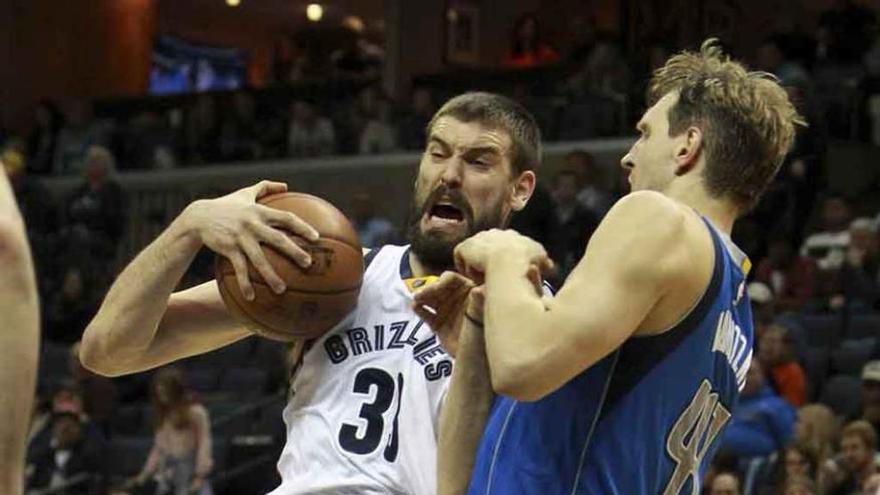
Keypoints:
(650, 215)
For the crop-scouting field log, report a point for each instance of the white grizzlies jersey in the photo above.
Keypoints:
(365, 408)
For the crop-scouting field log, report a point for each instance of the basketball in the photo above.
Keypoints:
(316, 298)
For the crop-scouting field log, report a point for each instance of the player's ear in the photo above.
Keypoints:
(522, 190)
(688, 150)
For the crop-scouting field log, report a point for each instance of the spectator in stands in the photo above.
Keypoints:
(95, 213)
(828, 247)
(79, 133)
(359, 58)
(373, 230)
(239, 133)
(352, 119)
(871, 393)
(605, 73)
(817, 429)
(777, 355)
(762, 423)
(592, 194)
(150, 142)
(772, 58)
(859, 277)
(180, 460)
(794, 462)
(99, 394)
(203, 131)
(527, 48)
(574, 224)
(69, 460)
(70, 308)
(414, 121)
(309, 134)
(858, 448)
(792, 277)
(43, 139)
(34, 202)
(378, 135)
(763, 311)
(726, 483)
(800, 485)
(848, 28)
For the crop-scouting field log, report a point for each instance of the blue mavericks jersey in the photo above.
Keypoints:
(644, 419)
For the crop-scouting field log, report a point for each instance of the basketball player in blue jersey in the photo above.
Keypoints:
(623, 382)
(19, 340)
(365, 401)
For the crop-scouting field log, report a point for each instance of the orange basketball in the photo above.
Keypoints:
(316, 298)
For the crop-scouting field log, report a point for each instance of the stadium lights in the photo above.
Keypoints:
(233, 3)
(314, 12)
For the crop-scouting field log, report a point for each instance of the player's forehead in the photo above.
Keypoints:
(463, 136)
(658, 114)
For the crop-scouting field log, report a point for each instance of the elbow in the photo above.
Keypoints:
(96, 359)
(516, 381)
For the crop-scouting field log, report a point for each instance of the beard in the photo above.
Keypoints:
(435, 249)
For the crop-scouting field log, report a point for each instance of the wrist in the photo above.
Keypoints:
(186, 226)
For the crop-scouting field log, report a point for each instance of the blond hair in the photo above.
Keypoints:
(747, 120)
(818, 428)
(862, 430)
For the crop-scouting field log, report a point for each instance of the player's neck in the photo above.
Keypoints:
(419, 269)
(720, 212)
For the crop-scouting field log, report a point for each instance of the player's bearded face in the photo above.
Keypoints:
(443, 219)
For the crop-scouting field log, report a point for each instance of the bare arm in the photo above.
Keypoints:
(634, 258)
(19, 339)
(465, 412)
(141, 324)
(469, 399)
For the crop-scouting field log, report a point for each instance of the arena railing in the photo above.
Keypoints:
(155, 197)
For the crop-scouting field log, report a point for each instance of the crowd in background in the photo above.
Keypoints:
(808, 417)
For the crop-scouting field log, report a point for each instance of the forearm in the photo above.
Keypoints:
(19, 341)
(465, 413)
(513, 312)
(127, 321)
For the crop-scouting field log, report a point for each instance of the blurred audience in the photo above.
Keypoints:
(829, 245)
(414, 121)
(373, 230)
(857, 463)
(203, 131)
(870, 399)
(70, 464)
(181, 460)
(762, 422)
(777, 355)
(309, 134)
(527, 48)
(791, 276)
(592, 194)
(79, 133)
(239, 133)
(574, 224)
(725, 484)
(43, 139)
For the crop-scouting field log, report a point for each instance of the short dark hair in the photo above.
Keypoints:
(747, 120)
(498, 112)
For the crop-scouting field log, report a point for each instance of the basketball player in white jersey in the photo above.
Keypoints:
(362, 418)
(19, 340)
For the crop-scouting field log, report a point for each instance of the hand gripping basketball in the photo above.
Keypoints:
(235, 225)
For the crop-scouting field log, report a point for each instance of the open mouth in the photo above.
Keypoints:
(446, 211)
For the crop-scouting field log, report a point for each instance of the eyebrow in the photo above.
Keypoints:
(476, 150)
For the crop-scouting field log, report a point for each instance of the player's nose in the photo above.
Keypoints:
(452, 173)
